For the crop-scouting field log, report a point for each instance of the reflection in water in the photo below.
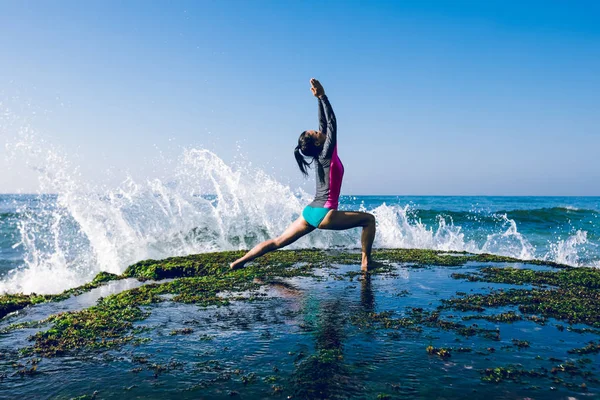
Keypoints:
(367, 297)
(283, 288)
(324, 375)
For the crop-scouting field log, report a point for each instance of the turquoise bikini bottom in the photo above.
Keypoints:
(314, 215)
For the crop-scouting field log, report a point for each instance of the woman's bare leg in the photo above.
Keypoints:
(342, 220)
(295, 231)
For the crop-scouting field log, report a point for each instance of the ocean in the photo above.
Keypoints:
(52, 242)
(330, 333)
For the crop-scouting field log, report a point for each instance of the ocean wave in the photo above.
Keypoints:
(201, 204)
(552, 214)
(545, 215)
(8, 215)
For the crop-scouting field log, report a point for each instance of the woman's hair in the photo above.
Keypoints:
(306, 145)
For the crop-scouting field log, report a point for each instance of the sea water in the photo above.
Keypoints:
(52, 242)
(278, 347)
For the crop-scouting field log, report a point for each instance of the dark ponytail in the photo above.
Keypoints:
(302, 164)
(306, 148)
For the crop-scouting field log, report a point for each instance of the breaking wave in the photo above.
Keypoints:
(203, 205)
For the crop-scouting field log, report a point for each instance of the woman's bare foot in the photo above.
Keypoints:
(236, 265)
(371, 265)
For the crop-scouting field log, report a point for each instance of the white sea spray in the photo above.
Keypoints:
(568, 251)
(202, 204)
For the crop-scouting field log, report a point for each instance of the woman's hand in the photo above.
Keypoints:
(316, 88)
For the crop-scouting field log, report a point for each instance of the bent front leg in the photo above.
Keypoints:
(342, 220)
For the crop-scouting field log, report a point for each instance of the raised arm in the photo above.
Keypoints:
(331, 132)
(322, 118)
(327, 121)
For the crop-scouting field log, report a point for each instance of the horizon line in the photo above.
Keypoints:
(375, 195)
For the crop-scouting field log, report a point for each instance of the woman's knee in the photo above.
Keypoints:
(369, 219)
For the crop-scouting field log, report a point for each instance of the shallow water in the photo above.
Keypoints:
(74, 303)
(305, 340)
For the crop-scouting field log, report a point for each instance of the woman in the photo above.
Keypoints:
(322, 213)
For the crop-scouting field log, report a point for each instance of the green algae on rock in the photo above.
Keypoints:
(581, 277)
(507, 317)
(218, 263)
(441, 352)
(202, 279)
(13, 302)
(110, 322)
(591, 348)
(416, 319)
(573, 295)
(520, 343)
(336, 316)
(510, 373)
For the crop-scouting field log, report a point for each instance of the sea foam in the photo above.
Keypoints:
(201, 204)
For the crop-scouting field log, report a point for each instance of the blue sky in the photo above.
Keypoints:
(438, 97)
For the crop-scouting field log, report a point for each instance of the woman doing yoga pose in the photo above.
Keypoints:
(322, 213)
